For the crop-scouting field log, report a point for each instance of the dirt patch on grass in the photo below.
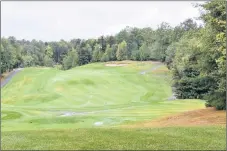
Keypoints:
(202, 117)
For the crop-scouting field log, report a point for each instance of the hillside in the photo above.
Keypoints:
(40, 102)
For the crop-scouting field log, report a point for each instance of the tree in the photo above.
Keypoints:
(113, 52)
(170, 53)
(3, 60)
(49, 51)
(8, 54)
(122, 36)
(107, 55)
(213, 61)
(102, 42)
(27, 61)
(71, 60)
(188, 82)
(122, 51)
(135, 53)
(60, 50)
(95, 53)
(144, 52)
(162, 39)
(48, 61)
(84, 56)
(110, 40)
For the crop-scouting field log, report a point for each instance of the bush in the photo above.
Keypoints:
(193, 88)
(59, 67)
(217, 100)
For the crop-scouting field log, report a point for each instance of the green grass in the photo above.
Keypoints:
(202, 138)
(34, 100)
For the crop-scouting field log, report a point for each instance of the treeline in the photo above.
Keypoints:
(131, 43)
(196, 55)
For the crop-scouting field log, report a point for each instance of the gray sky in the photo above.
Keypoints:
(52, 21)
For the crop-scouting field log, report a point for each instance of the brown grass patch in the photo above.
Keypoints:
(201, 117)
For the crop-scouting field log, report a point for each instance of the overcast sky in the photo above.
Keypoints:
(52, 21)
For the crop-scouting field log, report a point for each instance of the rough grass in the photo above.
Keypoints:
(34, 101)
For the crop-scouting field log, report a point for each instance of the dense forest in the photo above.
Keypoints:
(196, 55)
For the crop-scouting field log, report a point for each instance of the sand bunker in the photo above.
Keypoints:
(116, 65)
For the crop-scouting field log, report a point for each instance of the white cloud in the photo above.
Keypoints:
(66, 20)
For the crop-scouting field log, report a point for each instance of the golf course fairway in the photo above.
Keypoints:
(84, 108)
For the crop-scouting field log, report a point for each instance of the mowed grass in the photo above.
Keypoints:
(45, 108)
(199, 138)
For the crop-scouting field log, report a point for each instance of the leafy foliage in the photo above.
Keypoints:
(214, 50)
(71, 60)
(122, 51)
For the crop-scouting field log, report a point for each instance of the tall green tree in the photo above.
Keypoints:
(213, 61)
(144, 52)
(162, 39)
(48, 60)
(122, 51)
(107, 55)
(71, 60)
(95, 53)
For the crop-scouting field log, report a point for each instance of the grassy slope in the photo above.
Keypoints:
(36, 97)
